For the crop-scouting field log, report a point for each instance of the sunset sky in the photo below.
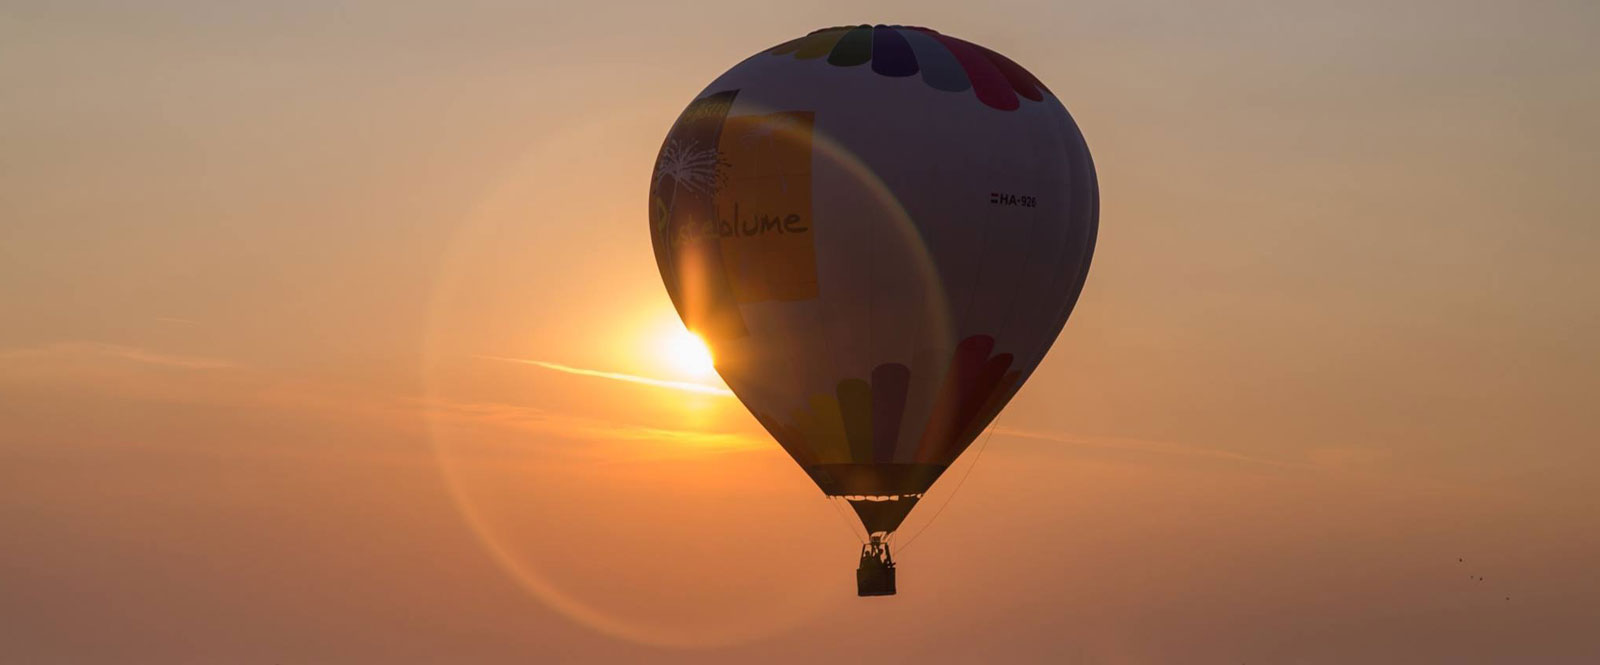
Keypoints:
(331, 333)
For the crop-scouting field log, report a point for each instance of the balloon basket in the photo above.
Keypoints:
(875, 575)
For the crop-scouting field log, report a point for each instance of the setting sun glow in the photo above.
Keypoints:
(685, 352)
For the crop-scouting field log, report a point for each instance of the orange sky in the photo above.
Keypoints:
(260, 270)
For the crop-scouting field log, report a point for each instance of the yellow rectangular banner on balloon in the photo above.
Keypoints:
(764, 207)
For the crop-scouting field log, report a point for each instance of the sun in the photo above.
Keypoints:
(685, 352)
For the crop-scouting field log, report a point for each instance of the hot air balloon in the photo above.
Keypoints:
(879, 231)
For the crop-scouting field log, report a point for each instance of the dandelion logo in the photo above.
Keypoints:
(692, 167)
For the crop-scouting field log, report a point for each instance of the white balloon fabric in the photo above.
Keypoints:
(879, 231)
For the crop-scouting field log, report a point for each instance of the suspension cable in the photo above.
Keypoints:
(979, 455)
(846, 519)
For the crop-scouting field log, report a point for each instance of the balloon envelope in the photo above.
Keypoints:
(879, 231)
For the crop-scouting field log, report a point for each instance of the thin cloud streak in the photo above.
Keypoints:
(1154, 447)
(680, 443)
(1133, 445)
(685, 386)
